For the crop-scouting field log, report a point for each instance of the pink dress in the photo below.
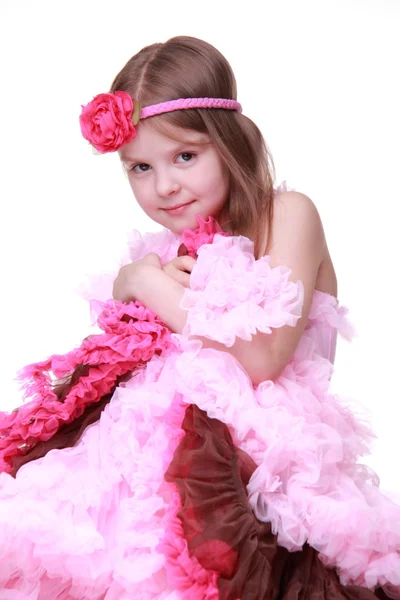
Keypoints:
(119, 516)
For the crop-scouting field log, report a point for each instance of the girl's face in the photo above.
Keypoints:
(165, 174)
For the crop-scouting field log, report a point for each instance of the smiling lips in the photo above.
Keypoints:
(178, 209)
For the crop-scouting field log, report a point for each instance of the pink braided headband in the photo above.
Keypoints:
(108, 121)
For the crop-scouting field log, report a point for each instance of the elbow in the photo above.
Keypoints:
(267, 371)
(257, 379)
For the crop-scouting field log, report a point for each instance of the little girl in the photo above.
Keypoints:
(193, 450)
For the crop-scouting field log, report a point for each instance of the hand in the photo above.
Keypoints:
(128, 276)
(179, 269)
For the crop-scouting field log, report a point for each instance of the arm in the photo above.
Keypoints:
(162, 294)
(298, 243)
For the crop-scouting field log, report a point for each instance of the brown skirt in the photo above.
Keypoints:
(223, 533)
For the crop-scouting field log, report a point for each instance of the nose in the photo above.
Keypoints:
(166, 185)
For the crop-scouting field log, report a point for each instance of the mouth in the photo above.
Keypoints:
(178, 208)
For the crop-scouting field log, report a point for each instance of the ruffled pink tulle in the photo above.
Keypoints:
(233, 295)
(304, 440)
(184, 572)
(99, 516)
(132, 336)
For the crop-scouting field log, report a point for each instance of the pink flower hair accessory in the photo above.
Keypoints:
(109, 120)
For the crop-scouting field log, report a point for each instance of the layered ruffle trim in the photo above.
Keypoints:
(100, 516)
(233, 295)
(325, 308)
(165, 243)
(87, 521)
(305, 444)
(225, 538)
(186, 575)
(131, 336)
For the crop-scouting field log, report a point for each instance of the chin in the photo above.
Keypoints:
(180, 227)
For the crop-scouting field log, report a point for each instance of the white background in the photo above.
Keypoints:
(319, 78)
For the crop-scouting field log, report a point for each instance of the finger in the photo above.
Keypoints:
(184, 279)
(184, 263)
(152, 259)
(168, 269)
(180, 276)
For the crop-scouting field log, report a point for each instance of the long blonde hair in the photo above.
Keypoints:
(187, 67)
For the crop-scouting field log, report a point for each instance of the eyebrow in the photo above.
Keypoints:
(176, 146)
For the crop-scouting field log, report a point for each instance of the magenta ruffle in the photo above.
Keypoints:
(132, 336)
(185, 574)
(100, 516)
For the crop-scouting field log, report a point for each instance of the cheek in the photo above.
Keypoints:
(209, 179)
(217, 185)
(141, 192)
(216, 176)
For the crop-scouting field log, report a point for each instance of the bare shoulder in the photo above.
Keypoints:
(296, 217)
(290, 204)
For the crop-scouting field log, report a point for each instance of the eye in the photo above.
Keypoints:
(187, 156)
(134, 168)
